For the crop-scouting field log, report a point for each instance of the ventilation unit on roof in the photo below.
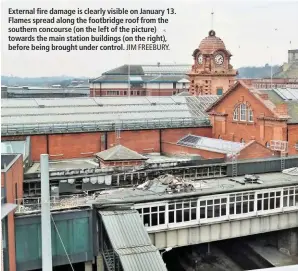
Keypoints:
(41, 106)
(178, 103)
(153, 103)
(100, 104)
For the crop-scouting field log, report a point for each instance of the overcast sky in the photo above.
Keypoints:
(246, 27)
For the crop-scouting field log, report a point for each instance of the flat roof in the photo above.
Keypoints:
(66, 164)
(202, 188)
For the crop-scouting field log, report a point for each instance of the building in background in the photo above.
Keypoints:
(289, 70)
(211, 73)
(11, 190)
(141, 80)
(55, 91)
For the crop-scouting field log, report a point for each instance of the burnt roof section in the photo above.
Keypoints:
(119, 153)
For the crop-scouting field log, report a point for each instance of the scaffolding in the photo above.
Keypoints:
(282, 147)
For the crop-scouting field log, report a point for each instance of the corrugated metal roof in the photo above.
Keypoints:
(210, 144)
(68, 110)
(125, 229)
(131, 241)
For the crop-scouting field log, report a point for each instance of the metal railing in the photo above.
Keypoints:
(72, 127)
(32, 205)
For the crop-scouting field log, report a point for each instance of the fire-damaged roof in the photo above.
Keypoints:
(119, 153)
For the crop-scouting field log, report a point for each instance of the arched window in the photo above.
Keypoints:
(219, 137)
(243, 112)
(242, 141)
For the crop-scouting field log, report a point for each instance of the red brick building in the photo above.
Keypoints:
(11, 190)
(211, 148)
(80, 127)
(120, 156)
(245, 113)
(211, 72)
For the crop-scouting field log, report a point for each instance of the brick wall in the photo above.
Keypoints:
(13, 182)
(82, 145)
(141, 141)
(67, 146)
(292, 138)
(255, 150)
(173, 135)
(38, 146)
(261, 130)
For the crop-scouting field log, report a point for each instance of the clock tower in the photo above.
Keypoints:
(211, 73)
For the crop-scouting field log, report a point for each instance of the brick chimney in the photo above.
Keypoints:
(282, 109)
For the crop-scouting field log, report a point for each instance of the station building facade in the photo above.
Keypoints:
(244, 113)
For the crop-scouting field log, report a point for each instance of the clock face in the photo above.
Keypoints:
(200, 59)
(219, 59)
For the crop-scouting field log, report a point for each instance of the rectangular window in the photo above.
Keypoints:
(219, 91)
(242, 112)
(236, 114)
(174, 85)
(250, 116)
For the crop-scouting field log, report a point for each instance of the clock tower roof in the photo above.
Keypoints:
(211, 44)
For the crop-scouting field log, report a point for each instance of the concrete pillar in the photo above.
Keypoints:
(288, 241)
(99, 263)
(88, 266)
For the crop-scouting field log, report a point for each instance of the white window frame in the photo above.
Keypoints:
(152, 205)
(236, 113)
(262, 198)
(243, 112)
(190, 208)
(286, 194)
(250, 115)
(251, 196)
(223, 200)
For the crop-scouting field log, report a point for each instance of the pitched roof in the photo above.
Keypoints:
(131, 241)
(210, 144)
(288, 70)
(285, 95)
(119, 153)
(268, 103)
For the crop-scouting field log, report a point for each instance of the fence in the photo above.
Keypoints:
(28, 205)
